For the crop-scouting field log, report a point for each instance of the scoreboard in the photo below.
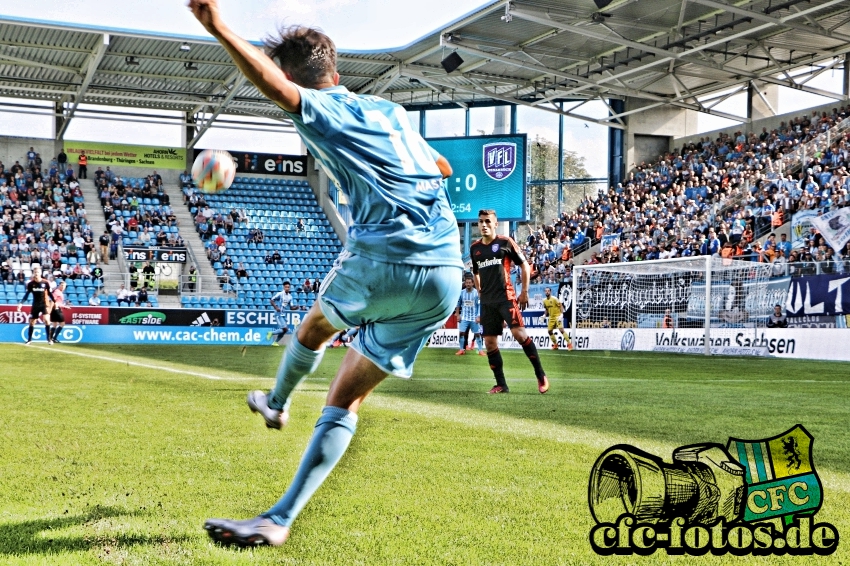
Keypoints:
(488, 172)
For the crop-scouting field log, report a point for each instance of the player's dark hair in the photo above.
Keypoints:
(287, 283)
(486, 212)
(307, 54)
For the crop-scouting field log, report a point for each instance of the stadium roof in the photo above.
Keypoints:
(529, 52)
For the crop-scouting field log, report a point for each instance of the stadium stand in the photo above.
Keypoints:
(274, 230)
(44, 224)
(141, 208)
(713, 197)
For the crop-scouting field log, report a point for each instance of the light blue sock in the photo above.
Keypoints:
(331, 438)
(297, 363)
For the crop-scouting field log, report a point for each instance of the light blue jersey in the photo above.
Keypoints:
(399, 208)
(470, 306)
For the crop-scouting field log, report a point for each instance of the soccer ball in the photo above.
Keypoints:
(213, 170)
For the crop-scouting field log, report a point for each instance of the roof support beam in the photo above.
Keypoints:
(783, 22)
(234, 88)
(218, 91)
(91, 69)
(511, 100)
(30, 63)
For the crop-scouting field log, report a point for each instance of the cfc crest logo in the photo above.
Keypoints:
(499, 160)
(751, 497)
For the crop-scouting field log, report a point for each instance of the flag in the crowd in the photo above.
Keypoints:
(834, 226)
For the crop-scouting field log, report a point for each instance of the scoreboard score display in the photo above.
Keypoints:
(488, 172)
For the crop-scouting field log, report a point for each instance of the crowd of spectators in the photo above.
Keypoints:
(715, 197)
(137, 211)
(44, 223)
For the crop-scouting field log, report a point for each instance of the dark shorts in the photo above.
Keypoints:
(56, 315)
(492, 316)
(37, 310)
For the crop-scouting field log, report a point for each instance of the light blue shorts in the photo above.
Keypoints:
(397, 307)
(465, 325)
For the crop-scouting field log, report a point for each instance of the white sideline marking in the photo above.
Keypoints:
(140, 364)
(612, 380)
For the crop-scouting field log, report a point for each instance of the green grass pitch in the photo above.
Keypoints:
(106, 460)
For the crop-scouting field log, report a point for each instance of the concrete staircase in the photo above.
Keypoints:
(94, 216)
(186, 223)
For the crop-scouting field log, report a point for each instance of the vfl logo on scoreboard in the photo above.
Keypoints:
(499, 160)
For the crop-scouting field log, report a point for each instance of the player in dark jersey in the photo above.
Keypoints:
(492, 256)
(57, 317)
(41, 302)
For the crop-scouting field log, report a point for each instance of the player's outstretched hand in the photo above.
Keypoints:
(206, 11)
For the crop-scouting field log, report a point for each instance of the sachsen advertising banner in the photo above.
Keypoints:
(799, 343)
(248, 162)
(148, 157)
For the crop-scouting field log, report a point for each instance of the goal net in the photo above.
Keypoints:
(698, 304)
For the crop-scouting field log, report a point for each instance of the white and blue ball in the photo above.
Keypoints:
(213, 170)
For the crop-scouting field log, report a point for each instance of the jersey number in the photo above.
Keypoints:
(407, 144)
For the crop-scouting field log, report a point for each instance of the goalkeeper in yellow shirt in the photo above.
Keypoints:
(555, 311)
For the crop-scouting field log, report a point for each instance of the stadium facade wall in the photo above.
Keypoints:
(14, 148)
(665, 121)
(756, 125)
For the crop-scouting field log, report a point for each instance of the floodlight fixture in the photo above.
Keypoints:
(131, 60)
(190, 66)
(185, 47)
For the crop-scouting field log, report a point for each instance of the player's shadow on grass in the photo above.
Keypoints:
(36, 536)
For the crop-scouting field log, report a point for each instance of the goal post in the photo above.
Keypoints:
(702, 304)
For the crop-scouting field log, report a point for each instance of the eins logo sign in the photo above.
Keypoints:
(748, 498)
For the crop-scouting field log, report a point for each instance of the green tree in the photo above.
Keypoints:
(543, 165)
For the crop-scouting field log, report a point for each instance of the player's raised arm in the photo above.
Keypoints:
(254, 64)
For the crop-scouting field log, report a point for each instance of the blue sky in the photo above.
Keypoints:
(353, 24)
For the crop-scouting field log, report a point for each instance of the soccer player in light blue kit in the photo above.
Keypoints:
(281, 302)
(469, 316)
(397, 277)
